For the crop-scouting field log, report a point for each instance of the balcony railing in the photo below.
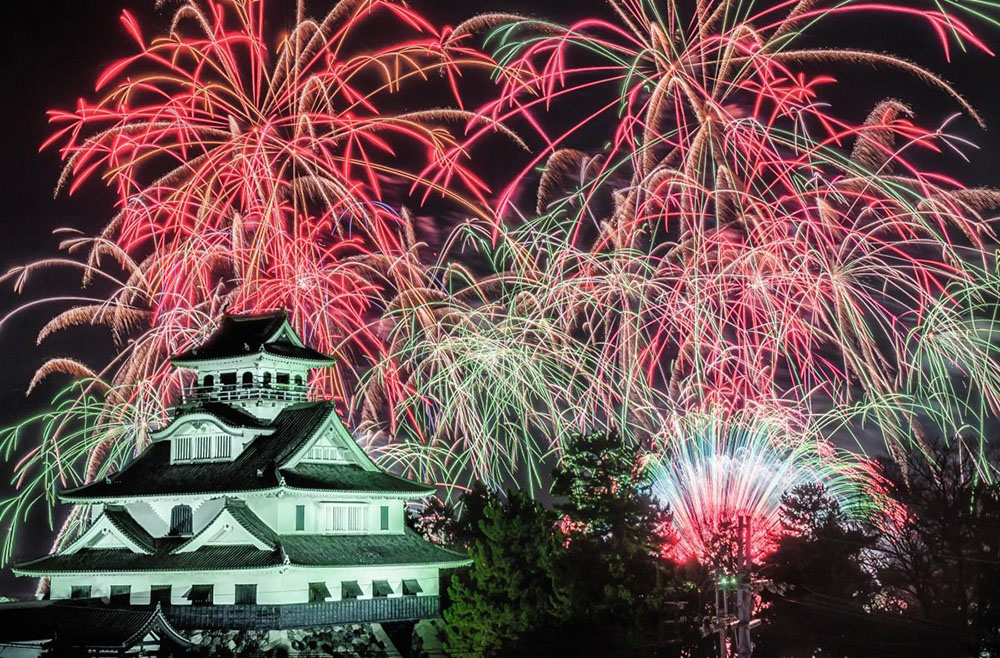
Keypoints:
(238, 393)
(300, 615)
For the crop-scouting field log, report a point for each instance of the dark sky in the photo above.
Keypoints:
(53, 49)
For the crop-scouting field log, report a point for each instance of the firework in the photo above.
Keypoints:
(90, 431)
(736, 246)
(715, 470)
(738, 241)
(253, 171)
(249, 169)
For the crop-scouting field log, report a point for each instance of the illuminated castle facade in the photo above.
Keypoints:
(253, 506)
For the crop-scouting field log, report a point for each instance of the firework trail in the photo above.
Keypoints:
(250, 170)
(712, 469)
(737, 245)
(738, 240)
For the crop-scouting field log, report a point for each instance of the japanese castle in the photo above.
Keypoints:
(252, 507)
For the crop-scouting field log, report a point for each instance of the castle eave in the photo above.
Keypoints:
(299, 551)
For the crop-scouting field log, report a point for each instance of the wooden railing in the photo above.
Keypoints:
(300, 615)
(230, 393)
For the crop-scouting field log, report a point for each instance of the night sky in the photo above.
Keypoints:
(54, 50)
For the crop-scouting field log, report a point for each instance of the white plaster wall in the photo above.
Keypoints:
(279, 513)
(280, 586)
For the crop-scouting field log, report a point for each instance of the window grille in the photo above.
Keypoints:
(325, 453)
(182, 448)
(203, 447)
(223, 446)
(180, 520)
(346, 518)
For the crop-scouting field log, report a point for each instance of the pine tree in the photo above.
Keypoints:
(507, 595)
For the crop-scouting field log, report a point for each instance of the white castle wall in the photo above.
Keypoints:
(279, 586)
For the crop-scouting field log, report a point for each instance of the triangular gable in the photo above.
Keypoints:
(226, 529)
(285, 333)
(333, 431)
(105, 534)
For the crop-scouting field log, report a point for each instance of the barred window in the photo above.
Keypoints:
(213, 446)
(182, 448)
(346, 518)
(203, 447)
(181, 520)
(324, 453)
(223, 446)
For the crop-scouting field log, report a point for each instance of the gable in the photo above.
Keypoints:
(104, 534)
(202, 436)
(224, 530)
(106, 540)
(285, 334)
(331, 439)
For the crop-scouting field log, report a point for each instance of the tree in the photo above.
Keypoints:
(821, 590)
(448, 524)
(588, 580)
(507, 595)
(616, 591)
(940, 560)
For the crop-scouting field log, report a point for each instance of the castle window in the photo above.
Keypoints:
(246, 594)
(182, 448)
(384, 517)
(159, 594)
(381, 589)
(121, 594)
(79, 592)
(228, 380)
(345, 518)
(349, 589)
(282, 379)
(248, 380)
(209, 381)
(180, 520)
(318, 592)
(300, 518)
(203, 447)
(266, 382)
(324, 453)
(223, 446)
(200, 594)
(411, 588)
(298, 380)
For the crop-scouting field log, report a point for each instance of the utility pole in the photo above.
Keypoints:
(743, 586)
(744, 592)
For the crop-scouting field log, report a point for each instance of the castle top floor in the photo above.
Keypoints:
(255, 362)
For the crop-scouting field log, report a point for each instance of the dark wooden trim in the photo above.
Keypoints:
(299, 615)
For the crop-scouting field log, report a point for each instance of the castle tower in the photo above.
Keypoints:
(253, 507)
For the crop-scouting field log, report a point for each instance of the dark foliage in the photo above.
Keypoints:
(940, 567)
(587, 578)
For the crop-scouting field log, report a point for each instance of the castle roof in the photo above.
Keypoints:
(304, 550)
(263, 465)
(243, 335)
(84, 623)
